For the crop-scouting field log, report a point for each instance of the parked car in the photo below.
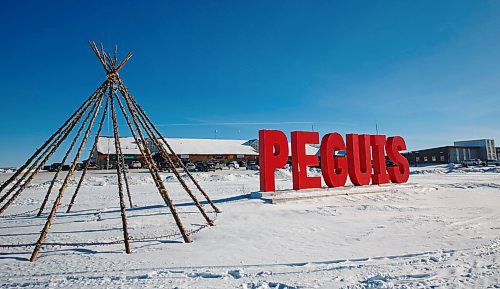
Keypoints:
(253, 166)
(135, 165)
(164, 167)
(79, 166)
(46, 168)
(242, 164)
(54, 167)
(210, 166)
(200, 166)
(493, 162)
(472, 162)
(233, 165)
(92, 166)
(66, 167)
(191, 167)
(389, 163)
(219, 166)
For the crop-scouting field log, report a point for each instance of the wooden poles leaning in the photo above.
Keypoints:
(142, 130)
(171, 152)
(153, 169)
(57, 202)
(87, 164)
(165, 155)
(119, 167)
(45, 144)
(59, 169)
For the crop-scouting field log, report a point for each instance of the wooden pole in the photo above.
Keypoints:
(165, 155)
(44, 145)
(125, 178)
(118, 173)
(52, 214)
(54, 148)
(174, 155)
(86, 166)
(73, 142)
(64, 129)
(151, 166)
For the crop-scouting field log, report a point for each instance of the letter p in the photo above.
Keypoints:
(273, 154)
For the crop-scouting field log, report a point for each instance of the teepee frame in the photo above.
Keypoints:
(111, 96)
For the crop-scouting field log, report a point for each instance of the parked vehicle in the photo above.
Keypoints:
(79, 166)
(389, 163)
(233, 165)
(92, 166)
(210, 166)
(472, 162)
(242, 164)
(191, 167)
(253, 166)
(205, 166)
(66, 167)
(54, 167)
(493, 162)
(135, 165)
(200, 166)
(219, 166)
(46, 168)
(164, 167)
(105, 167)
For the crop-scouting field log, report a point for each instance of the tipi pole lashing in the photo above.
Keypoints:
(57, 202)
(118, 173)
(86, 165)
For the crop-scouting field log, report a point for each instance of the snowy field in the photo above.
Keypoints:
(440, 230)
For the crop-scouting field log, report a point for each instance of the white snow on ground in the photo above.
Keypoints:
(441, 230)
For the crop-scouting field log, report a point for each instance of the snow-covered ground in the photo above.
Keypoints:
(442, 229)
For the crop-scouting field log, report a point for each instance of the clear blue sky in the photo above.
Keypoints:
(426, 70)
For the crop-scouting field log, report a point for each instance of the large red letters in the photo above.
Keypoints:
(300, 160)
(361, 157)
(334, 167)
(380, 175)
(273, 154)
(401, 172)
(359, 160)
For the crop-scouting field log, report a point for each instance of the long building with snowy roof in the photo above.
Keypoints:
(188, 149)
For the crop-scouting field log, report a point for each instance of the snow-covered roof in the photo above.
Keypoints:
(106, 145)
(193, 146)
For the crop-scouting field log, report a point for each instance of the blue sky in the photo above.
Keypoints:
(426, 70)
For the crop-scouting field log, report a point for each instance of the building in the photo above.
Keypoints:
(483, 149)
(105, 154)
(187, 149)
(442, 155)
(192, 150)
(486, 147)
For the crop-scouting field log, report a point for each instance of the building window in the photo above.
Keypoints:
(417, 159)
(433, 158)
(425, 159)
(441, 158)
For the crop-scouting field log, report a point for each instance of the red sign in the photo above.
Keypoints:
(364, 160)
